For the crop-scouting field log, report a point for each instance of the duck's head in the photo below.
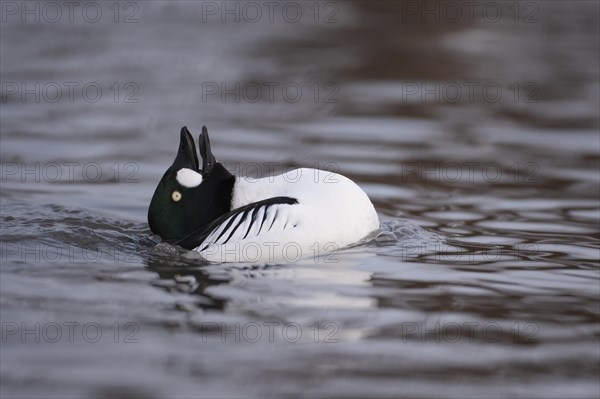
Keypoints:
(187, 197)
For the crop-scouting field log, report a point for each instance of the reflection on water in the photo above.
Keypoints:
(482, 282)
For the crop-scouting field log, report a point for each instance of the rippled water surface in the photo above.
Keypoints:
(483, 280)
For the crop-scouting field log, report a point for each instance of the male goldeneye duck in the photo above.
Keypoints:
(301, 213)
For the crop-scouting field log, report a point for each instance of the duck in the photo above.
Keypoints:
(295, 215)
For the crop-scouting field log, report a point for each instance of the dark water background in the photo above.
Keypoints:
(476, 138)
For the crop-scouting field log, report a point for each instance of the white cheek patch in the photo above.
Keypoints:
(189, 178)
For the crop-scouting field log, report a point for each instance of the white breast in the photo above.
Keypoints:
(332, 212)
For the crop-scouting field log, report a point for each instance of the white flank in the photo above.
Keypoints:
(332, 212)
(189, 178)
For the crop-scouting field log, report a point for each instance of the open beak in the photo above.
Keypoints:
(187, 156)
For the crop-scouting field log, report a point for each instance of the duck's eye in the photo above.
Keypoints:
(176, 196)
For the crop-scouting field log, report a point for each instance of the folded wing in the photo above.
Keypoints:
(250, 222)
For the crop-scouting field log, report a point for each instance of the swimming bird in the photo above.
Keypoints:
(226, 218)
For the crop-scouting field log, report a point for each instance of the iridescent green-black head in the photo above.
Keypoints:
(188, 198)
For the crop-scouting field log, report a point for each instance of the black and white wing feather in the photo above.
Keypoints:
(247, 222)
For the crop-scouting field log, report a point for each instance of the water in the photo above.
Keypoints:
(483, 281)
